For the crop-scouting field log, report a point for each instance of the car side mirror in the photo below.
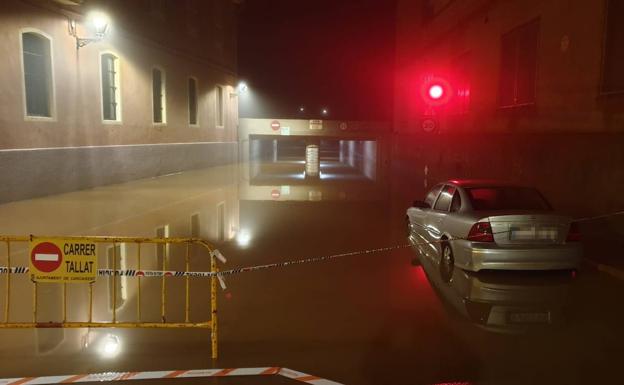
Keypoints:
(420, 205)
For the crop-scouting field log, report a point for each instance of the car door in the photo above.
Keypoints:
(418, 216)
(439, 214)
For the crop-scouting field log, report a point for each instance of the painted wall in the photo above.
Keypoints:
(38, 172)
(73, 144)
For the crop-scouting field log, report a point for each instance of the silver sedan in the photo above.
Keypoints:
(477, 225)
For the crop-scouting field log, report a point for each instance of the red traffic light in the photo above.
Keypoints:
(436, 91)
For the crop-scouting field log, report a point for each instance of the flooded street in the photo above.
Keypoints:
(355, 192)
(363, 319)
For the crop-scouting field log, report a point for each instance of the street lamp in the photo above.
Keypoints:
(242, 87)
(99, 23)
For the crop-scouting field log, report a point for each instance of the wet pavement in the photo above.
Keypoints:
(379, 318)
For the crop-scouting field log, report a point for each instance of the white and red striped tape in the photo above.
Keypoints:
(128, 376)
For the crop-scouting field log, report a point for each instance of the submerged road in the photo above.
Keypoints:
(365, 319)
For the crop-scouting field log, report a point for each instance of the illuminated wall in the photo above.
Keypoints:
(75, 143)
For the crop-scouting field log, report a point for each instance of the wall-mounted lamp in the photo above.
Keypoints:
(99, 23)
(242, 87)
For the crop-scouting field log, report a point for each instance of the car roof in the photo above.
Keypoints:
(472, 183)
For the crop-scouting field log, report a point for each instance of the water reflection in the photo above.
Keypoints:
(498, 301)
(365, 319)
(201, 203)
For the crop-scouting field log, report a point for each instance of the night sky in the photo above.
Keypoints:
(318, 53)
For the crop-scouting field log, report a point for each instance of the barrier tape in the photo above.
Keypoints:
(220, 274)
(599, 217)
(153, 375)
(174, 273)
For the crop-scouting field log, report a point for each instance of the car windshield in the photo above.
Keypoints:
(506, 198)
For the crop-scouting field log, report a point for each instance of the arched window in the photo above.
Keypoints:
(192, 101)
(220, 107)
(159, 96)
(36, 51)
(111, 103)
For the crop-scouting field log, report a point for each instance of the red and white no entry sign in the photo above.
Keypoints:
(275, 125)
(275, 194)
(46, 257)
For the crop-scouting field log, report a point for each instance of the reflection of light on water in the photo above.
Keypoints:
(110, 346)
(315, 196)
(243, 238)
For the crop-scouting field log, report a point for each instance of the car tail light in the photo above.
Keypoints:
(481, 232)
(574, 233)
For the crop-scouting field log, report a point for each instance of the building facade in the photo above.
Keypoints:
(153, 95)
(530, 91)
(513, 66)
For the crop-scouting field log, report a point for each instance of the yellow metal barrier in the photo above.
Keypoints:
(114, 241)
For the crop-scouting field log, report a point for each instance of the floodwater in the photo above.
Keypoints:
(375, 318)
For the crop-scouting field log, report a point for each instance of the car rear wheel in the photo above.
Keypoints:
(447, 262)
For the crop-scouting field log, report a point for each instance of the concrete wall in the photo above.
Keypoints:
(369, 153)
(580, 174)
(38, 172)
(305, 127)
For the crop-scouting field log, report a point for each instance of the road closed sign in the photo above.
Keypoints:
(58, 260)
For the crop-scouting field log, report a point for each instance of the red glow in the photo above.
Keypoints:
(436, 91)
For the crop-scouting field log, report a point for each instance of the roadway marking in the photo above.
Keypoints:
(170, 374)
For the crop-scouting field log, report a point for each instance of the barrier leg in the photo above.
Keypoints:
(213, 307)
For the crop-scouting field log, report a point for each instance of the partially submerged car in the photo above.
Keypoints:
(479, 224)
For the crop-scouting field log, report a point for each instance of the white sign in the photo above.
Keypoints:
(316, 124)
(429, 125)
(285, 131)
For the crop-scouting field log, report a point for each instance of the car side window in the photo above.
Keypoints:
(444, 200)
(456, 202)
(432, 195)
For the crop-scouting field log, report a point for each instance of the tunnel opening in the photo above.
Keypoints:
(293, 159)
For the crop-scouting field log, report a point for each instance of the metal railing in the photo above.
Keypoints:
(115, 274)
